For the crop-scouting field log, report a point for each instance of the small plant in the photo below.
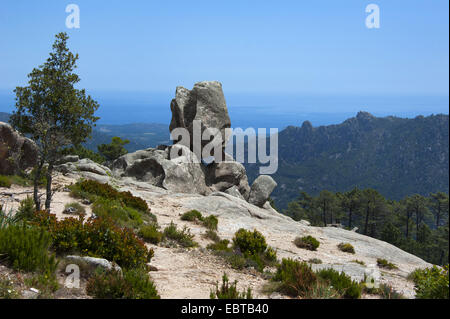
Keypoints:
(250, 243)
(212, 235)
(192, 215)
(182, 237)
(383, 263)
(7, 289)
(307, 242)
(211, 222)
(384, 291)
(221, 245)
(26, 209)
(27, 248)
(296, 278)
(315, 261)
(229, 291)
(342, 283)
(5, 181)
(432, 283)
(133, 284)
(150, 234)
(346, 248)
(360, 262)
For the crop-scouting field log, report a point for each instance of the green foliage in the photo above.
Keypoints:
(121, 214)
(182, 237)
(360, 262)
(297, 278)
(27, 248)
(220, 245)
(91, 190)
(5, 181)
(307, 242)
(212, 235)
(229, 291)
(96, 238)
(26, 209)
(432, 283)
(383, 263)
(346, 247)
(315, 261)
(341, 282)
(150, 233)
(133, 284)
(209, 222)
(114, 150)
(192, 215)
(249, 243)
(384, 291)
(7, 289)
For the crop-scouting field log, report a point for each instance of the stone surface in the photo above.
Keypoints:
(261, 189)
(16, 152)
(95, 262)
(86, 168)
(224, 175)
(205, 103)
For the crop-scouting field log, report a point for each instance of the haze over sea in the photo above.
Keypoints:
(259, 110)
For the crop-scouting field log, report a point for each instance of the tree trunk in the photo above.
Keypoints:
(350, 219)
(48, 198)
(407, 224)
(37, 177)
(367, 220)
(438, 217)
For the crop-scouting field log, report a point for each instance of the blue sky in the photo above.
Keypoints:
(255, 48)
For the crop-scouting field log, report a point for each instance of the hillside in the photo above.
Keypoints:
(395, 156)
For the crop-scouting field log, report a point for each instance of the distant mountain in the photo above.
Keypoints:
(141, 135)
(395, 156)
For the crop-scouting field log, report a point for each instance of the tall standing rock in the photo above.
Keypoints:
(204, 103)
(261, 189)
(16, 152)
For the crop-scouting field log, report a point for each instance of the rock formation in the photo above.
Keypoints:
(16, 152)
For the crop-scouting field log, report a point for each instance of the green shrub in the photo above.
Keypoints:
(27, 248)
(249, 243)
(383, 263)
(346, 248)
(26, 209)
(5, 181)
(211, 222)
(384, 291)
(77, 207)
(192, 215)
(307, 242)
(341, 282)
(315, 261)
(150, 234)
(123, 215)
(113, 150)
(432, 283)
(96, 238)
(7, 289)
(90, 189)
(212, 235)
(360, 262)
(221, 245)
(182, 237)
(133, 284)
(296, 278)
(228, 291)
(83, 152)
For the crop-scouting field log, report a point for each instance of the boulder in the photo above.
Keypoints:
(16, 152)
(234, 191)
(261, 189)
(224, 175)
(204, 103)
(86, 168)
(94, 263)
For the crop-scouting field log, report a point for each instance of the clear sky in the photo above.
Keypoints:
(314, 47)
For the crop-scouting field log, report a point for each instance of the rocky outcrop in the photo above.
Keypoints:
(85, 168)
(16, 152)
(261, 189)
(204, 103)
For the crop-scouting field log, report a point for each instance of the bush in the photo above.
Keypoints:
(383, 263)
(211, 222)
(96, 238)
(307, 242)
(133, 284)
(7, 289)
(182, 237)
(123, 215)
(384, 291)
(315, 261)
(113, 150)
(346, 248)
(432, 283)
(150, 234)
(341, 282)
(360, 262)
(83, 152)
(192, 215)
(221, 245)
(212, 235)
(90, 189)
(26, 248)
(26, 209)
(249, 243)
(228, 291)
(5, 181)
(297, 278)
